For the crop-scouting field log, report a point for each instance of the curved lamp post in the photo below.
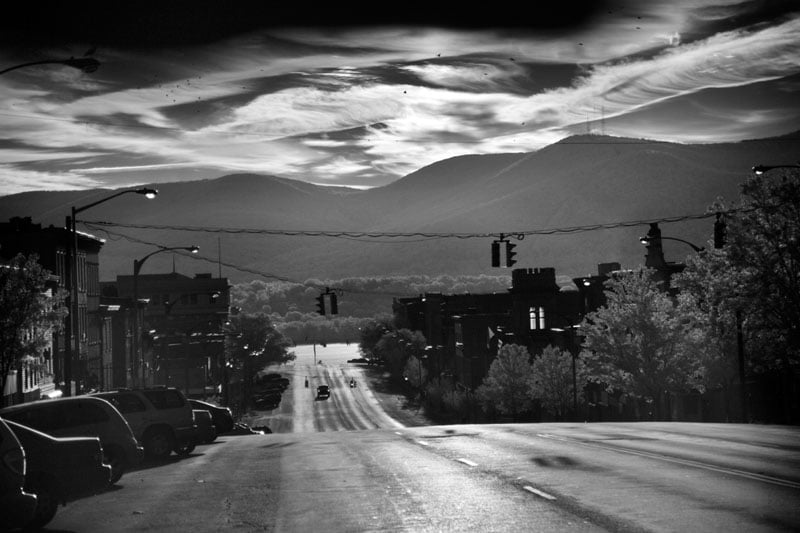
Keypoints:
(137, 266)
(647, 240)
(72, 346)
(84, 64)
(760, 169)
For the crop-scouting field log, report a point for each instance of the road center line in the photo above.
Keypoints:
(467, 462)
(539, 493)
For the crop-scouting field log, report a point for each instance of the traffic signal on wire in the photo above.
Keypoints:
(321, 304)
(495, 253)
(334, 304)
(510, 253)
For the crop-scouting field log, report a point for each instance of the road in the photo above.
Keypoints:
(345, 466)
(347, 408)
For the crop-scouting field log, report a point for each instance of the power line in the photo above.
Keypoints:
(353, 235)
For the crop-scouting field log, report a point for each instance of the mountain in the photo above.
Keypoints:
(583, 180)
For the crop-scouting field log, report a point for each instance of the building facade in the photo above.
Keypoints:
(181, 323)
(50, 244)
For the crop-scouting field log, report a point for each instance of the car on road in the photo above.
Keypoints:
(18, 506)
(83, 416)
(323, 391)
(222, 416)
(60, 470)
(161, 418)
(206, 431)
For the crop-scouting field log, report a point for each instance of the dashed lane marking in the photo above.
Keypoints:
(467, 462)
(539, 493)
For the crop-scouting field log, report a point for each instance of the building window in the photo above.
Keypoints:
(193, 299)
(536, 315)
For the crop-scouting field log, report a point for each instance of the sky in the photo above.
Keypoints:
(324, 96)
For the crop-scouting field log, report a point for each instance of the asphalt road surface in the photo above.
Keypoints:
(343, 465)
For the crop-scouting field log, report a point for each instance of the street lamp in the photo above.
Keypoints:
(84, 64)
(71, 348)
(137, 266)
(647, 239)
(760, 169)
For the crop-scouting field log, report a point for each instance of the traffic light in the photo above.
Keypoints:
(495, 253)
(334, 304)
(321, 304)
(510, 253)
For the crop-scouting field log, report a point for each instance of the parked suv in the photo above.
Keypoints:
(83, 416)
(161, 418)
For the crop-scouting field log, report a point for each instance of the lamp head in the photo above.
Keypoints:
(193, 249)
(85, 64)
(644, 240)
(147, 192)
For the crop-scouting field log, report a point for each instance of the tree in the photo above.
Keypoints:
(372, 333)
(764, 247)
(415, 372)
(639, 344)
(256, 344)
(396, 347)
(28, 315)
(552, 381)
(507, 386)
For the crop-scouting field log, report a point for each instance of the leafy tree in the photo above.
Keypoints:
(640, 344)
(396, 347)
(257, 344)
(764, 249)
(552, 381)
(28, 316)
(507, 386)
(372, 332)
(415, 372)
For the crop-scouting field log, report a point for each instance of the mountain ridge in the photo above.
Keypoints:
(583, 180)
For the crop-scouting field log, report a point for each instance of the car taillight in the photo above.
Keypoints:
(15, 461)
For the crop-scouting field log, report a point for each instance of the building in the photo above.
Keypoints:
(181, 329)
(21, 235)
(464, 331)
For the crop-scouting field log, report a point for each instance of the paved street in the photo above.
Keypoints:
(343, 465)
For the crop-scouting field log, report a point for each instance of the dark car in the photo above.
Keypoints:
(222, 416)
(82, 416)
(323, 391)
(206, 432)
(18, 506)
(267, 401)
(60, 470)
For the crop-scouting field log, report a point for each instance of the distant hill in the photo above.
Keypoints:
(580, 181)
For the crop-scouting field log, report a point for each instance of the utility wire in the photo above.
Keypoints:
(411, 235)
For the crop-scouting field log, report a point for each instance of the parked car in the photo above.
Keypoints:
(83, 416)
(161, 418)
(222, 416)
(323, 392)
(60, 470)
(18, 506)
(266, 401)
(206, 431)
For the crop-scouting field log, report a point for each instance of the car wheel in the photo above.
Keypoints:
(159, 444)
(46, 504)
(185, 450)
(116, 460)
